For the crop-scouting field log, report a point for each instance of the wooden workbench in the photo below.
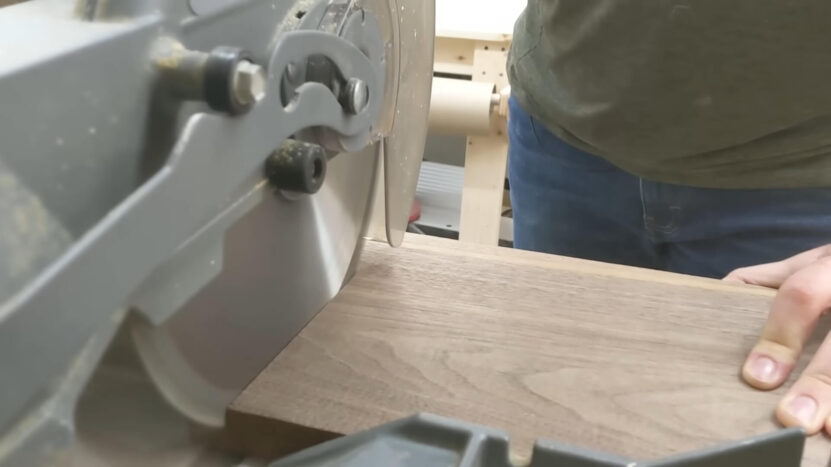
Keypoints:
(634, 362)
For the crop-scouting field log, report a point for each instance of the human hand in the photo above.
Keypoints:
(804, 283)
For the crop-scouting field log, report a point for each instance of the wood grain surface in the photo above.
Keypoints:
(635, 362)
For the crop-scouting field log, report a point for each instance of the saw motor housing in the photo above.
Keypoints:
(184, 165)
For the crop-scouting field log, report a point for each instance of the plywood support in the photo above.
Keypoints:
(485, 158)
(453, 56)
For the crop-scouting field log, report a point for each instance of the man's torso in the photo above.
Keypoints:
(701, 92)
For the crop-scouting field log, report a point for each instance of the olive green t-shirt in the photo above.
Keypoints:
(710, 93)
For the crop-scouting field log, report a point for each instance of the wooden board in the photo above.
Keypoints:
(634, 362)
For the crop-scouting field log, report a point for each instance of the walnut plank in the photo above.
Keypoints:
(634, 362)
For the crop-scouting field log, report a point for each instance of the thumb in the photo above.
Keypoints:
(797, 307)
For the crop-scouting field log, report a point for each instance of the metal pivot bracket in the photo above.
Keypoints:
(355, 26)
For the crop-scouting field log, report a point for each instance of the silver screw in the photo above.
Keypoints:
(248, 82)
(355, 96)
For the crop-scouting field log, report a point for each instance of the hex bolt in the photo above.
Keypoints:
(233, 83)
(354, 97)
(248, 83)
(225, 78)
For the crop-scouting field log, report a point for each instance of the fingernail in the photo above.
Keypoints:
(763, 369)
(803, 408)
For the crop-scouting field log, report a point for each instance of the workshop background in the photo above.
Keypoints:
(501, 342)
(121, 418)
(461, 187)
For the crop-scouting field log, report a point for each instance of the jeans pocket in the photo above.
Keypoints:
(522, 129)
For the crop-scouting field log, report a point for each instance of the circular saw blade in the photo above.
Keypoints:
(403, 143)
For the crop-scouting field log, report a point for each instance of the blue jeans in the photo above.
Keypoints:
(568, 202)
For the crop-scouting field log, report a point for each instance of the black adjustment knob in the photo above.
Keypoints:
(297, 166)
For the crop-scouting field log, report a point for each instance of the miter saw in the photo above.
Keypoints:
(202, 171)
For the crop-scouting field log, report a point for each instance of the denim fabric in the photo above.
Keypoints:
(568, 202)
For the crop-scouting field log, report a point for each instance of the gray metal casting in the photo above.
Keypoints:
(121, 191)
(431, 441)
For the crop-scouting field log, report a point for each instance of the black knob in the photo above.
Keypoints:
(232, 82)
(297, 166)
